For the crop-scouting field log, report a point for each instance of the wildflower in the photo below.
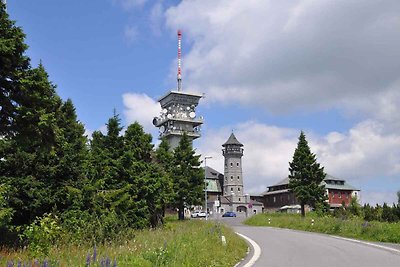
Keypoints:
(45, 263)
(10, 263)
(94, 253)
(115, 262)
(88, 259)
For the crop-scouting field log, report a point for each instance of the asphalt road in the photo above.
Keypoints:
(283, 247)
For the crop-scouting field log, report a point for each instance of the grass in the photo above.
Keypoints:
(353, 227)
(187, 243)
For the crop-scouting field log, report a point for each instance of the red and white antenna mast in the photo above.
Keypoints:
(179, 76)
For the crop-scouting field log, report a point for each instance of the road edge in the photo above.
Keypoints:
(255, 249)
(366, 243)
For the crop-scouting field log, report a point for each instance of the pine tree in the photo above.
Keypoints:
(306, 176)
(187, 177)
(72, 153)
(29, 152)
(13, 65)
(164, 159)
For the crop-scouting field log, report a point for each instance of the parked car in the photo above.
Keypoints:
(198, 214)
(229, 214)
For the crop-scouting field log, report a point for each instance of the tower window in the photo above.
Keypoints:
(231, 164)
(231, 178)
(238, 177)
(237, 164)
(239, 189)
(231, 189)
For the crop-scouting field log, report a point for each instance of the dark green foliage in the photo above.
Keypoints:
(306, 176)
(95, 190)
(187, 176)
(13, 65)
(389, 214)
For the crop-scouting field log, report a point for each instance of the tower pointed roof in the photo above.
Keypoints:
(232, 140)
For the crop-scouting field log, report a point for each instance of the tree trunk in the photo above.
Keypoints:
(303, 210)
(181, 214)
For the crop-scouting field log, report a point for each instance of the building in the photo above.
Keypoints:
(226, 192)
(338, 191)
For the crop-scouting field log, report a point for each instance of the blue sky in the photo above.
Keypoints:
(268, 69)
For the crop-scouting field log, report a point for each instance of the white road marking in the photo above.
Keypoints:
(256, 248)
(366, 243)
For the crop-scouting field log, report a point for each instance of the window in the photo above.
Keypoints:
(238, 177)
(231, 177)
(274, 199)
(231, 189)
(333, 194)
(226, 179)
(340, 195)
(239, 189)
(347, 196)
(237, 164)
(231, 164)
(239, 198)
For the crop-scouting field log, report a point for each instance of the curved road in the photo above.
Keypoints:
(283, 247)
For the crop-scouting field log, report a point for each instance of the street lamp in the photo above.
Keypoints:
(205, 183)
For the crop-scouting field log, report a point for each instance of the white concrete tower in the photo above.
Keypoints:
(233, 175)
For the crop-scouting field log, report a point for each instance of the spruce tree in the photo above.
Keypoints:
(187, 177)
(13, 65)
(306, 176)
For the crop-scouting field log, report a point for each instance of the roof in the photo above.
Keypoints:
(212, 173)
(213, 185)
(328, 177)
(275, 192)
(232, 140)
(344, 186)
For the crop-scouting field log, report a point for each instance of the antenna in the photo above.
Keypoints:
(179, 77)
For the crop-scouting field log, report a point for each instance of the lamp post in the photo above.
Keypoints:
(205, 183)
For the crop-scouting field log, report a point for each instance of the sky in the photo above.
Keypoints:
(267, 69)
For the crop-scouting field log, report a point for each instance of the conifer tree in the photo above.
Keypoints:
(13, 64)
(187, 177)
(306, 176)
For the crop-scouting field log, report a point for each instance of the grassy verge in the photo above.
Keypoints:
(187, 243)
(353, 227)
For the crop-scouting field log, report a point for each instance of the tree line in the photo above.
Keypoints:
(48, 166)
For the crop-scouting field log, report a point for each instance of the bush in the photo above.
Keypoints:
(42, 234)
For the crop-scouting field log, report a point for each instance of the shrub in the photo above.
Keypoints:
(41, 234)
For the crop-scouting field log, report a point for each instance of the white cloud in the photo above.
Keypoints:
(130, 4)
(364, 156)
(141, 108)
(156, 18)
(291, 55)
(130, 33)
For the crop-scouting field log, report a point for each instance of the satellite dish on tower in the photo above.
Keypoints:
(192, 115)
(155, 120)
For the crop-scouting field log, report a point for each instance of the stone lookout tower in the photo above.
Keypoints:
(178, 111)
(233, 184)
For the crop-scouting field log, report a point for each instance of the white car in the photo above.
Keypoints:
(198, 214)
